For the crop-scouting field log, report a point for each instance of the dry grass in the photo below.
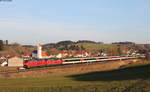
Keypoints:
(75, 69)
(7, 68)
(88, 78)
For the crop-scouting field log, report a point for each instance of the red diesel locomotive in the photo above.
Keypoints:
(42, 62)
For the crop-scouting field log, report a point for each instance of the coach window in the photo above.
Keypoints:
(34, 60)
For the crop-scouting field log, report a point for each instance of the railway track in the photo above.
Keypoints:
(50, 67)
(58, 66)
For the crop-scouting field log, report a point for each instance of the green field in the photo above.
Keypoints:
(94, 46)
(129, 79)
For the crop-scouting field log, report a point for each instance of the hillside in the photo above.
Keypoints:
(15, 50)
(95, 48)
(112, 49)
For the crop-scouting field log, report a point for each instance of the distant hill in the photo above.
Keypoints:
(116, 48)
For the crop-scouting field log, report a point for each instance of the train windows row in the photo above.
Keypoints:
(42, 60)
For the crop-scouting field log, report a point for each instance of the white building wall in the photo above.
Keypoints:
(39, 51)
(15, 61)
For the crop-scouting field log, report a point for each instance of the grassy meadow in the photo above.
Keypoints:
(94, 46)
(129, 79)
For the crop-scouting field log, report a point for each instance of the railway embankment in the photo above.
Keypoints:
(71, 69)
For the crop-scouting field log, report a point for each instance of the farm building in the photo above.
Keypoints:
(15, 61)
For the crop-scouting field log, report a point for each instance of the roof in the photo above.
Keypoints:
(44, 53)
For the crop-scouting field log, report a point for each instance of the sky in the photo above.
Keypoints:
(48, 21)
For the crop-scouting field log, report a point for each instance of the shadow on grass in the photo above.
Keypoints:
(138, 72)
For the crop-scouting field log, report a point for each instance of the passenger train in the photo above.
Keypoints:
(30, 63)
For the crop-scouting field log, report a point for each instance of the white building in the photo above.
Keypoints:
(15, 61)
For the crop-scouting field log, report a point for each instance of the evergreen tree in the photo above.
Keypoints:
(1, 45)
